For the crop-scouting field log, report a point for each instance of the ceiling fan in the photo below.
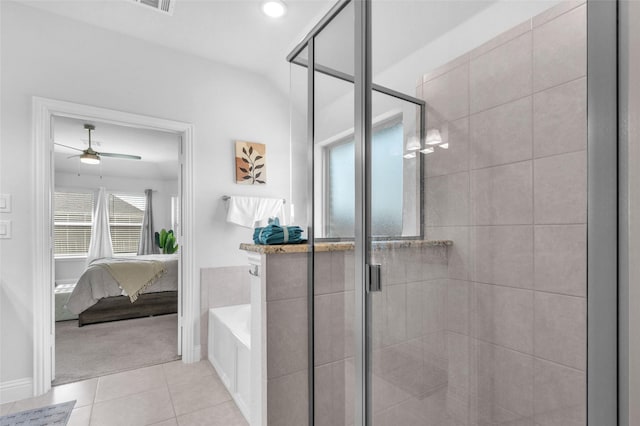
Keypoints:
(89, 156)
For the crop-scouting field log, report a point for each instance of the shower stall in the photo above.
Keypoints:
(459, 164)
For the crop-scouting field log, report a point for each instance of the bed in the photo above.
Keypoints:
(99, 296)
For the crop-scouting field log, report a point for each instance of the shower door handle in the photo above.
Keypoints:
(374, 279)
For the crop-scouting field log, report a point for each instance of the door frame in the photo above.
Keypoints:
(43, 109)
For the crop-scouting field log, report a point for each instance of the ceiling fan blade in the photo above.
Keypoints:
(67, 146)
(124, 156)
(74, 156)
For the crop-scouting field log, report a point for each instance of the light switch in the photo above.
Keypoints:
(5, 203)
(5, 229)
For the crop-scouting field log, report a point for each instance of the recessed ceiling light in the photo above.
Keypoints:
(274, 8)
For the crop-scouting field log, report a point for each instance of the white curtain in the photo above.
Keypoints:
(147, 237)
(100, 245)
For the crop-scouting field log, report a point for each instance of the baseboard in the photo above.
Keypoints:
(67, 281)
(197, 354)
(190, 356)
(14, 390)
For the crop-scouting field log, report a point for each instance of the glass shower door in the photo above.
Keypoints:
(481, 319)
(406, 368)
(333, 289)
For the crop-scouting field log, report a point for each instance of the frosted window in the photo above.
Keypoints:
(341, 194)
(386, 185)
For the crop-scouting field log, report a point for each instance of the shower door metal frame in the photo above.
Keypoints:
(363, 127)
(363, 89)
(602, 198)
(602, 213)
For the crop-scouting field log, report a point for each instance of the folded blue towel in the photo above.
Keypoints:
(276, 234)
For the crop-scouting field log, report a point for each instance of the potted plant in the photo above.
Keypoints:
(166, 241)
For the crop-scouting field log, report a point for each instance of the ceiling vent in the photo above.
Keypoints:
(164, 6)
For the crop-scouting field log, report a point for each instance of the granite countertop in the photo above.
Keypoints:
(341, 246)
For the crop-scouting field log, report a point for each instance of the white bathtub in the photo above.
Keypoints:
(230, 351)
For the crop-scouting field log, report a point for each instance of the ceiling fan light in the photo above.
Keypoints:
(88, 158)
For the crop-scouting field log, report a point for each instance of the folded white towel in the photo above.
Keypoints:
(246, 211)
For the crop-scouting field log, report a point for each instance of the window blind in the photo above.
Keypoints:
(72, 222)
(126, 212)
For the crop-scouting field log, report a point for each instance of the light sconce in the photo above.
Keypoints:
(427, 150)
(274, 8)
(413, 143)
(433, 137)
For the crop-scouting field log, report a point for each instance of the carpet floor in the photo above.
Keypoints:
(99, 349)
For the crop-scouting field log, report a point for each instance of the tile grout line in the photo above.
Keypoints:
(530, 289)
(495, 166)
(532, 94)
(533, 356)
(166, 382)
(533, 217)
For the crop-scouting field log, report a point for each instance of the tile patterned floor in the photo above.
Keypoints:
(172, 394)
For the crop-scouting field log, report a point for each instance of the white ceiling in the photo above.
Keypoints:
(159, 150)
(237, 33)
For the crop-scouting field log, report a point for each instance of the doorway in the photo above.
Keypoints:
(120, 202)
(45, 111)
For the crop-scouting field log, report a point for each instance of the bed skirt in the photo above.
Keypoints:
(120, 307)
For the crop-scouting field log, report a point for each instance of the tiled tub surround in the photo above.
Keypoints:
(407, 319)
(224, 286)
(511, 192)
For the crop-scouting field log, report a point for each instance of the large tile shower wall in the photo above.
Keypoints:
(511, 193)
(406, 317)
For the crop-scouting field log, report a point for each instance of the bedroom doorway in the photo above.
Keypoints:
(107, 208)
(164, 315)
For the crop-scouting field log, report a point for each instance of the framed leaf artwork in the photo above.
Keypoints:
(251, 163)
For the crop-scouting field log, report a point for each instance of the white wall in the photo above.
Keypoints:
(49, 56)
